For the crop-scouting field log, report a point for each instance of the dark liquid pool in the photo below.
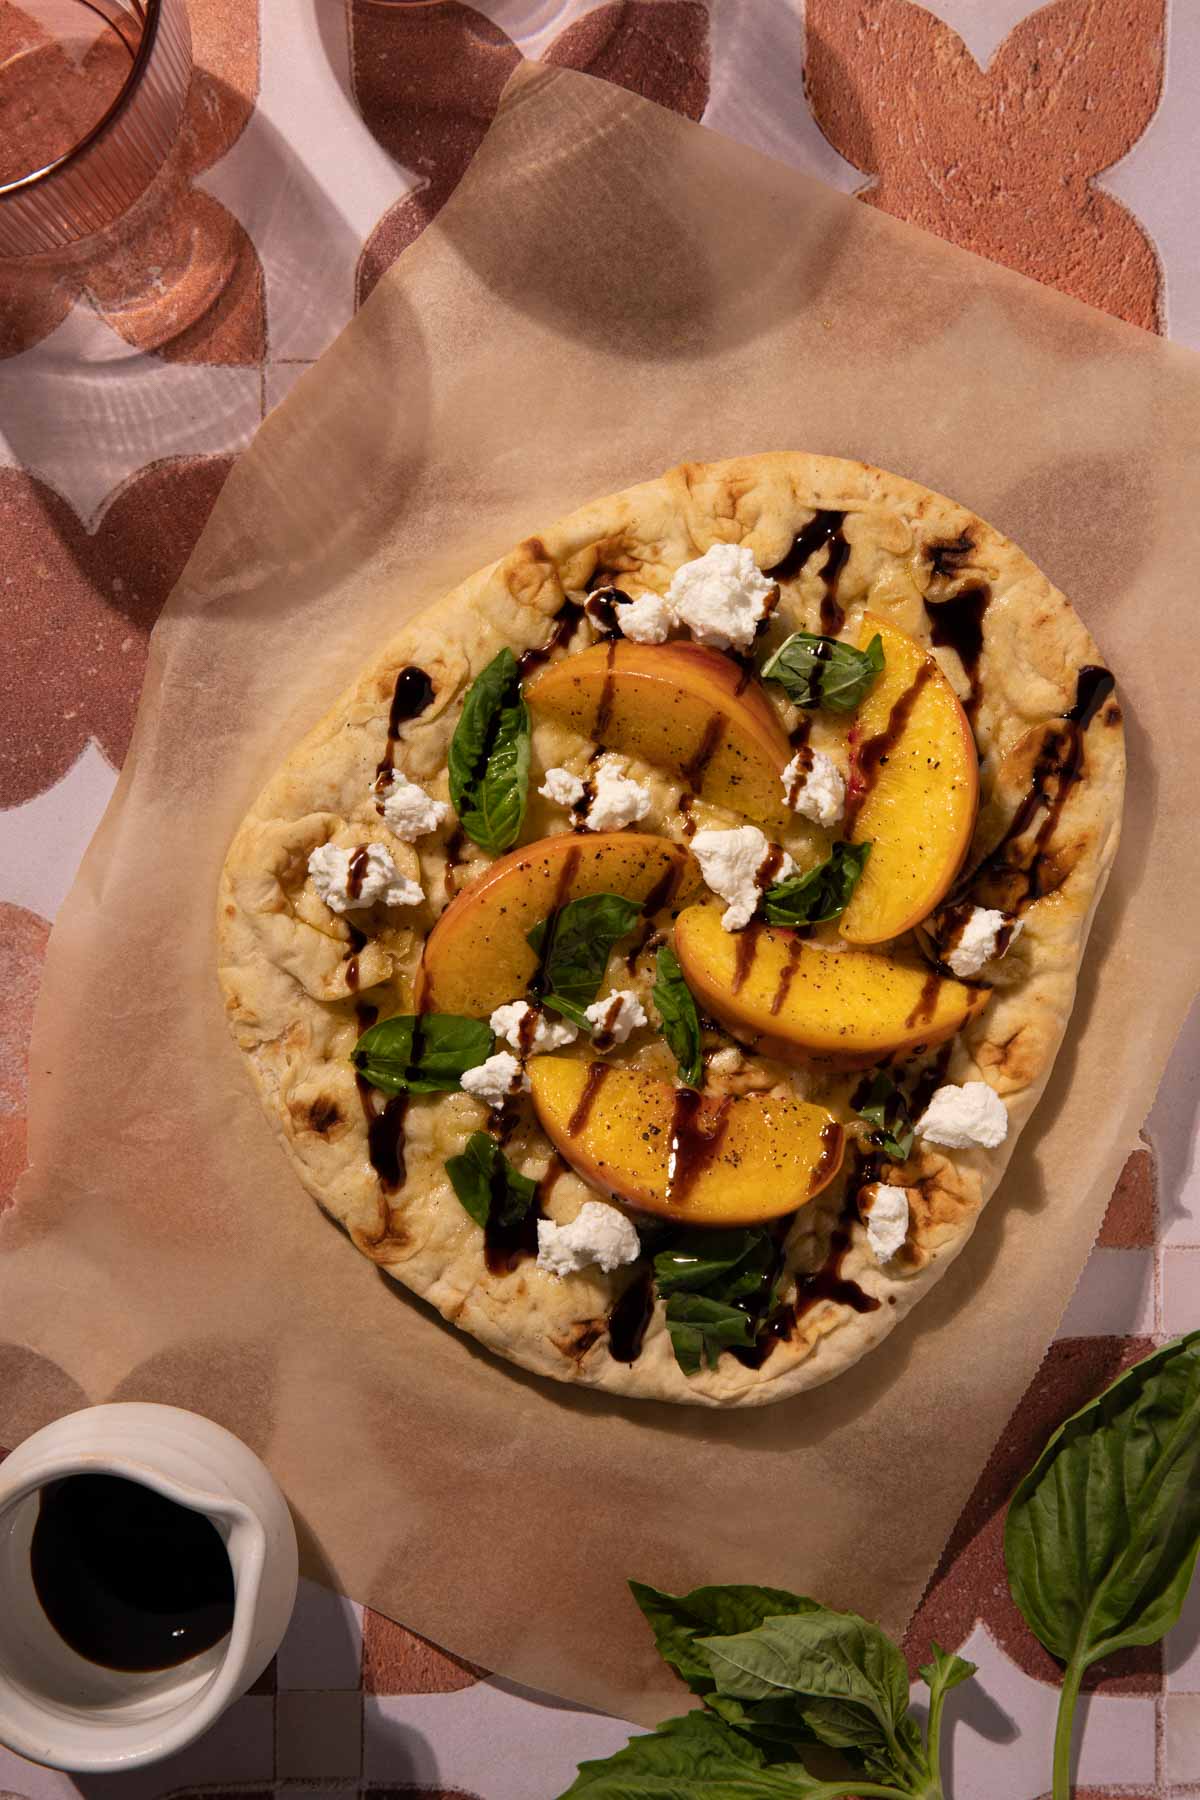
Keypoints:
(127, 1578)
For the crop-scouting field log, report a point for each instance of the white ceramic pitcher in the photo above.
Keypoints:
(58, 1708)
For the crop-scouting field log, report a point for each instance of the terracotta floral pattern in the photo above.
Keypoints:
(1001, 160)
(178, 275)
(428, 80)
(77, 609)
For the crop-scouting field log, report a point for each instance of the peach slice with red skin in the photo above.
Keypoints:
(701, 1159)
(914, 788)
(476, 957)
(807, 1003)
(683, 707)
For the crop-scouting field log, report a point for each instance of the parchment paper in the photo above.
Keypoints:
(610, 290)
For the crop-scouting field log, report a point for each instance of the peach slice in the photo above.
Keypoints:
(914, 787)
(684, 707)
(702, 1159)
(806, 1003)
(476, 956)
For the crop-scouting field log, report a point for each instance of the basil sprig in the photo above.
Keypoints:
(490, 1189)
(822, 671)
(719, 1287)
(1101, 1543)
(778, 1674)
(676, 1008)
(820, 894)
(573, 946)
(883, 1107)
(489, 756)
(1129, 1465)
(426, 1053)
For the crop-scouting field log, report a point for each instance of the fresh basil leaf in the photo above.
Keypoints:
(569, 1010)
(714, 1261)
(946, 1671)
(701, 1758)
(845, 1677)
(822, 671)
(678, 1621)
(581, 937)
(1102, 1534)
(883, 1107)
(425, 1053)
(490, 1189)
(822, 893)
(701, 1327)
(680, 1019)
(489, 756)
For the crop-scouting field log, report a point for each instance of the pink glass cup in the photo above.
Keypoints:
(83, 185)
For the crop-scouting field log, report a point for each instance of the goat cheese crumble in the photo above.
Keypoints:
(815, 787)
(528, 1029)
(731, 863)
(979, 938)
(376, 879)
(886, 1212)
(608, 801)
(597, 1234)
(615, 1017)
(963, 1118)
(722, 597)
(496, 1079)
(646, 620)
(408, 810)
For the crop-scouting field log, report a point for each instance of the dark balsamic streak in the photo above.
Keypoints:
(926, 1001)
(747, 949)
(629, 1318)
(608, 694)
(833, 1139)
(714, 731)
(356, 871)
(596, 1076)
(869, 756)
(1093, 685)
(824, 528)
(788, 973)
(565, 621)
(957, 624)
(412, 695)
(828, 1282)
(697, 1130)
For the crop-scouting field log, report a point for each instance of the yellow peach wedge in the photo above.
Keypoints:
(701, 1159)
(914, 787)
(476, 957)
(683, 707)
(808, 1003)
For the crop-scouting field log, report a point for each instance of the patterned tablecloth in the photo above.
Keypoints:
(320, 138)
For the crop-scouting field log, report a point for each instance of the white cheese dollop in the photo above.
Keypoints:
(539, 1033)
(563, 788)
(616, 800)
(495, 1079)
(647, 620)
(730, 862)
(726, 1062)
(886, 1210)
(329, 871)
(597, 1234)
(978, 939)
(815, 787)
(721, 597)
(408, 810)
(615, 1017)
(613, 802)
(965, 1117)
